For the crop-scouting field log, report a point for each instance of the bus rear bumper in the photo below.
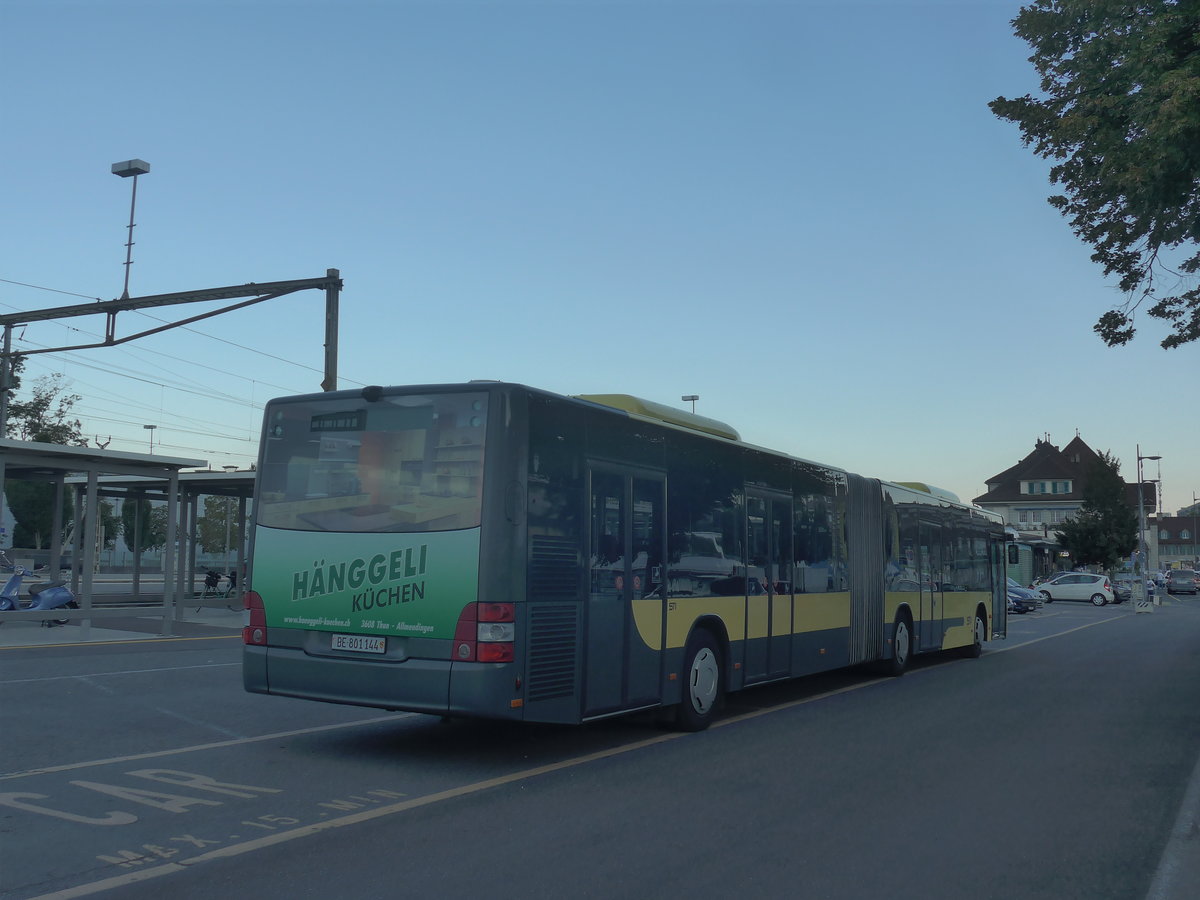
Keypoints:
(436, 687)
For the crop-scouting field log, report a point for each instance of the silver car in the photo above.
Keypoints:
(1181, 581)
(1077, 586)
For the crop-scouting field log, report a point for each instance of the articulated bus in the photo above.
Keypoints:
(492, 550)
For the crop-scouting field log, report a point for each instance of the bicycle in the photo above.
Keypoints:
(213, 587)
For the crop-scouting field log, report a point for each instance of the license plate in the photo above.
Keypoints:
(358, 643)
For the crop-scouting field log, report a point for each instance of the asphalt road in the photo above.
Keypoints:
(1052, 767)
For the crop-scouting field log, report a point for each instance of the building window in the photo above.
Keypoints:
(1185, 535)
(1023, 516)
(1164, 535)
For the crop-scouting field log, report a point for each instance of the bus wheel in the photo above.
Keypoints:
(974, 650)
(901, 646)
(702, 689)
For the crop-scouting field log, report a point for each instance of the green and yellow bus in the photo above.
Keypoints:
(493, 550)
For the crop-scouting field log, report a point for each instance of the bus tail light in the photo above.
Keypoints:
(254, 632)
(485, 633)
(500, 652)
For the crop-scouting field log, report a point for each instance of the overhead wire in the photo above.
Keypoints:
(238, 442)
(203, 389)
(187, 328)
(38, 287)
(226, 398)
(134, 351)
(249, 349)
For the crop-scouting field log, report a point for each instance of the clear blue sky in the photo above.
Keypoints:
(802, 212)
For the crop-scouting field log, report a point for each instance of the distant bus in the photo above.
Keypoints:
(492, 550)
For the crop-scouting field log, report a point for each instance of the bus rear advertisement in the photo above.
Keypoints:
(496, 551)
(368, 582)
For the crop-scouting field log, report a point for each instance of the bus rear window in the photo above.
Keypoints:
(401, 463)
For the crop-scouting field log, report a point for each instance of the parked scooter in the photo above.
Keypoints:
(49, 595)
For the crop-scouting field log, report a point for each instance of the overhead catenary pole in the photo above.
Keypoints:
(1143, 551)
(333, 286)
(6, 365)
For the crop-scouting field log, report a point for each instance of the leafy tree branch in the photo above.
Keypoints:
(1121, 120)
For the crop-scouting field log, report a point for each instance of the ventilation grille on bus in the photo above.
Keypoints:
(554, 633)
(553, 568)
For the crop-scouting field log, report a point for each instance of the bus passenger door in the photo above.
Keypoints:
(624, 616)
(929, 628)
(999, 577)
(768, 585)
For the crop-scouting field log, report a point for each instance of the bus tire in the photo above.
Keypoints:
(902, 646)
(974, 650)
(703, 685)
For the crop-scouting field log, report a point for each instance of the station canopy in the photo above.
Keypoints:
(122, 473)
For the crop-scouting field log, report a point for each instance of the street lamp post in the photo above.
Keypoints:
(229, 470)
(134, 168)
(1142, 548)
(692, 397)
(151, 428)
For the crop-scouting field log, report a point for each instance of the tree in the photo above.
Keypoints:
(109, 523)
(218, 524)
(46, 415)
(32, 506)
(138, 524)
(1122, 121)
(152, 524)
(1104, 531)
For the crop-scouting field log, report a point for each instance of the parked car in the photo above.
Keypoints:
(1029, 597)
(1182, 581)
(1019, 605)
(1122, 586)
(1077, 586)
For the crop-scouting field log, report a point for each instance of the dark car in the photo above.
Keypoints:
(1122, 587)
(1019, 605)
(1181, 581)
(1021, 600)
